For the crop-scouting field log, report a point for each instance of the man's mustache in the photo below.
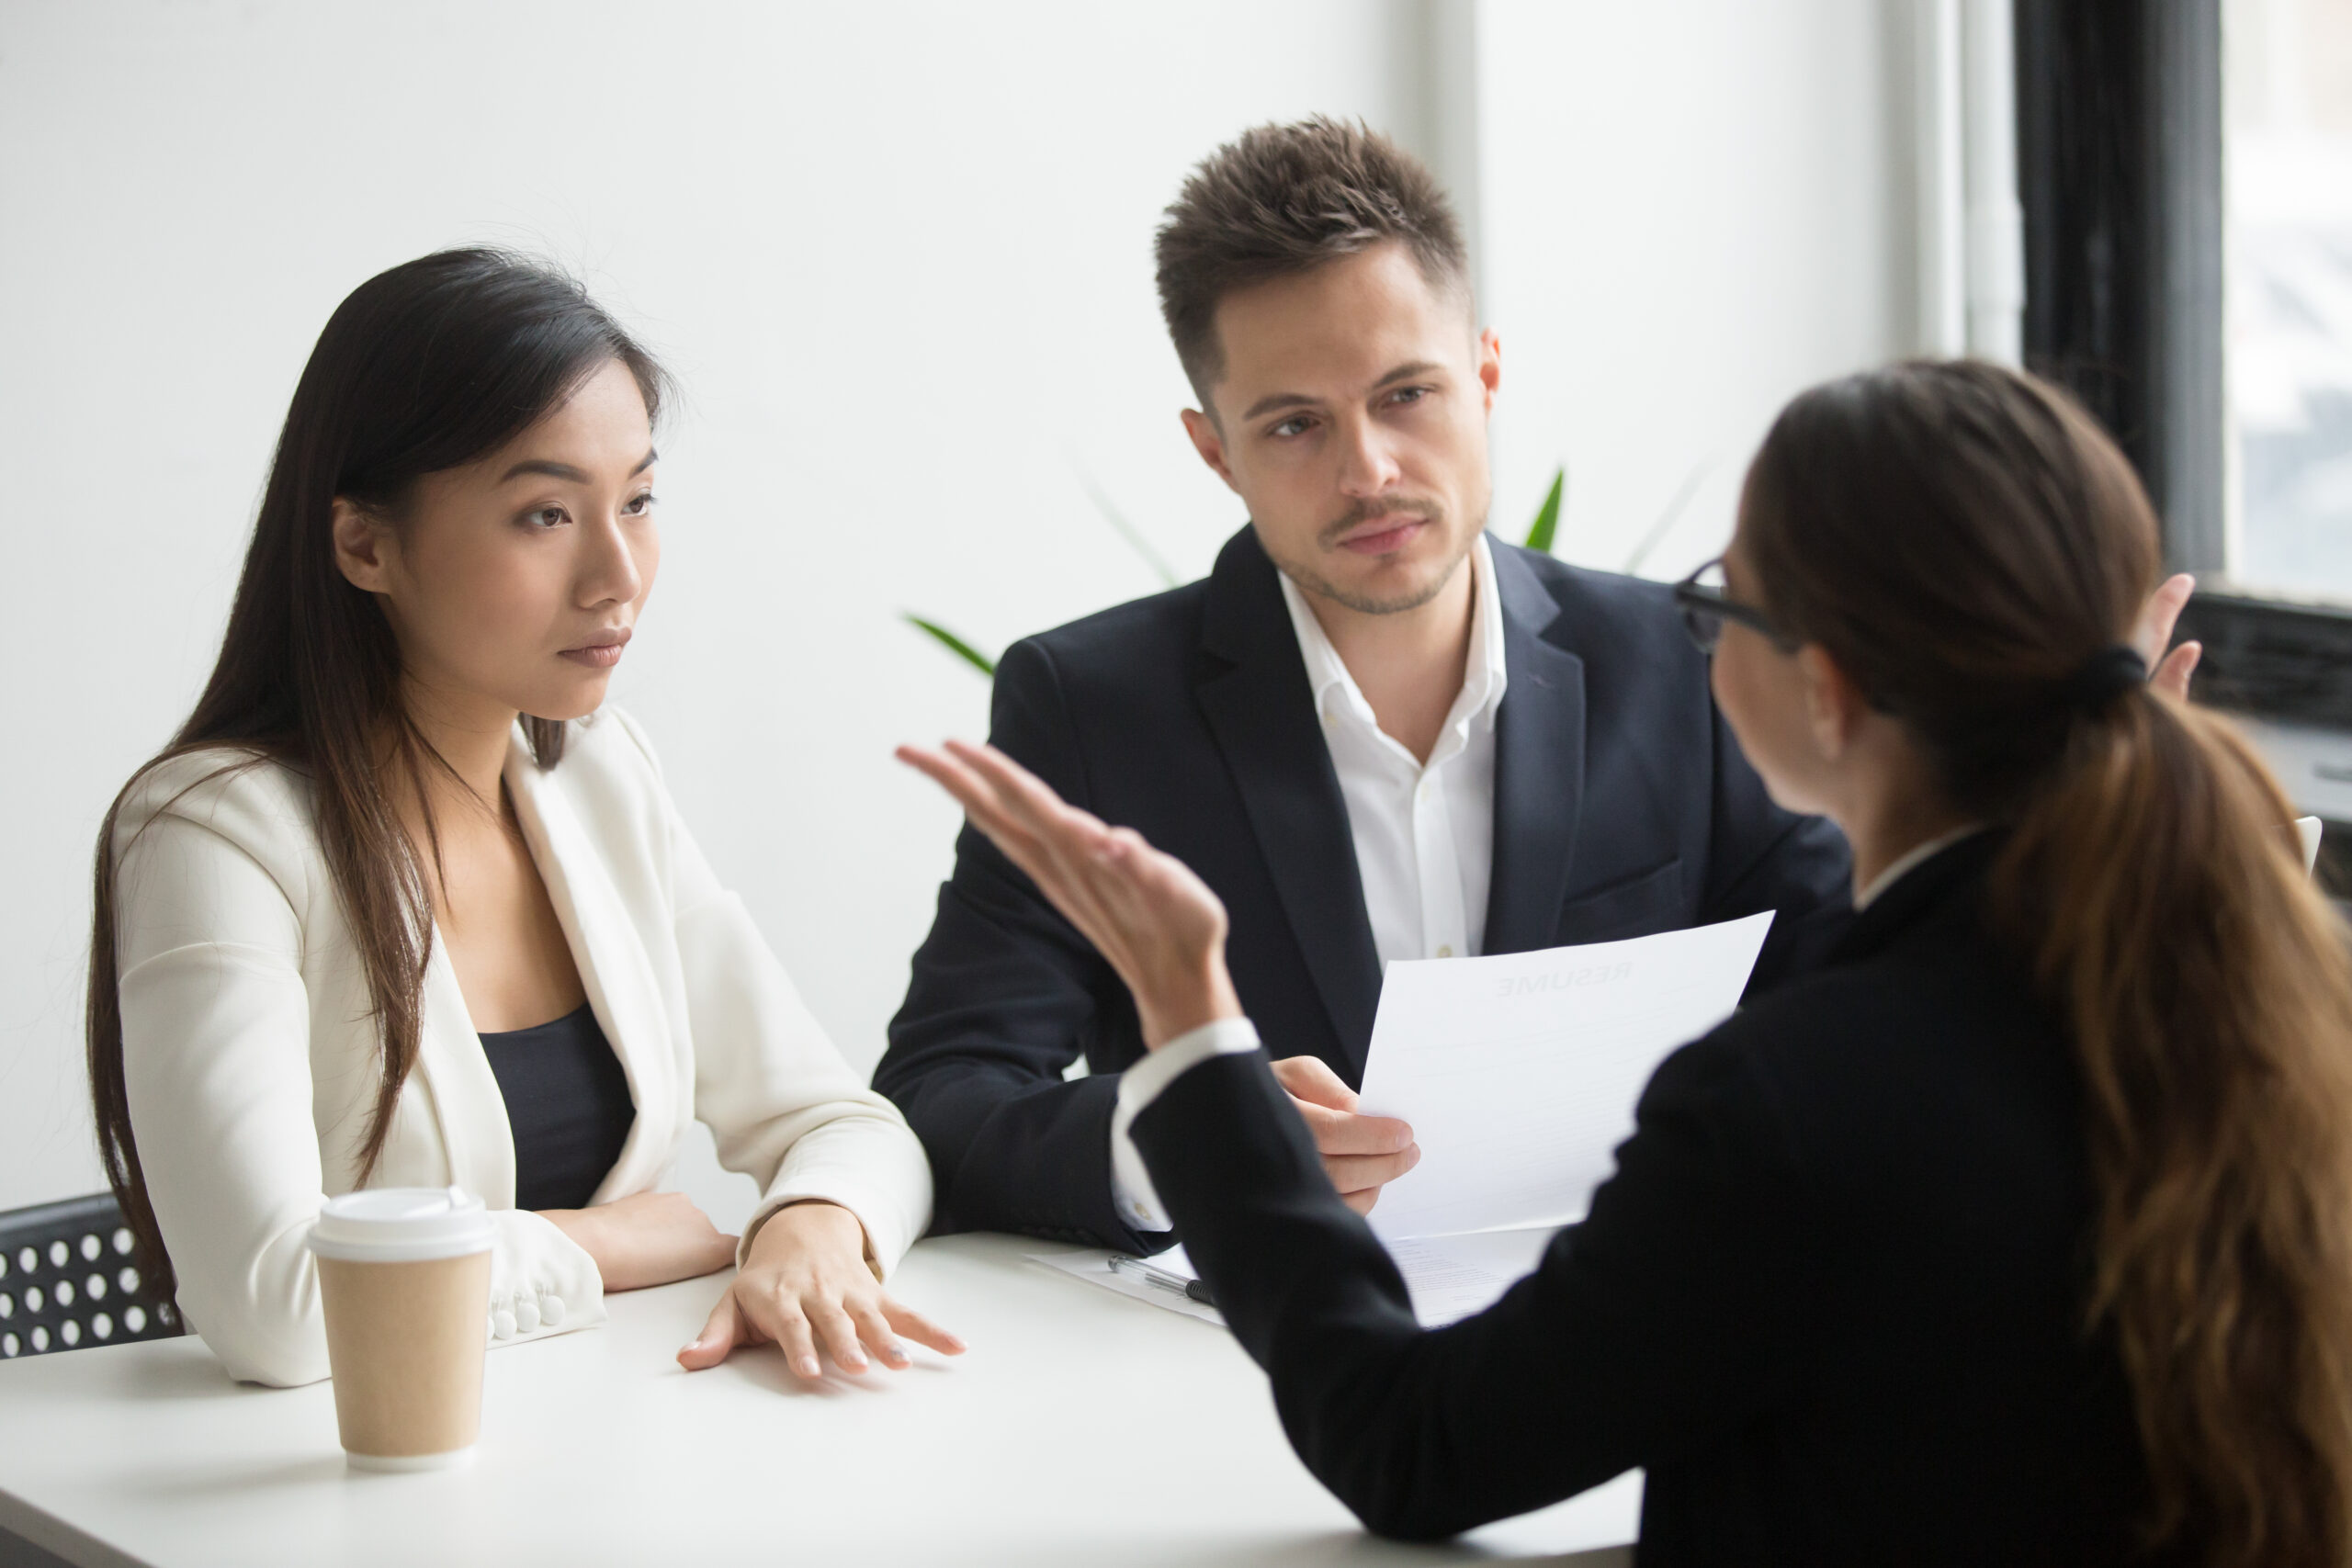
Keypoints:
(1366, 512)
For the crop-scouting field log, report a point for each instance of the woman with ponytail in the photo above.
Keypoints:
(2019, 1232)
(405, 904)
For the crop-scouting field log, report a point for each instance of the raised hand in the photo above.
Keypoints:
(2168, 672)
(1157, 924)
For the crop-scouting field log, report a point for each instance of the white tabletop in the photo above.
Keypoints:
(1080, 1427)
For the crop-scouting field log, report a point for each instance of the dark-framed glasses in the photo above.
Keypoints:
(1706, 604)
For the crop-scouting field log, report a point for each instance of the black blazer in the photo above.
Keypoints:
(1833, 1298)
(1622, 807)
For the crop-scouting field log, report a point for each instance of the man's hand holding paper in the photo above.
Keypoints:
(1361, 1154)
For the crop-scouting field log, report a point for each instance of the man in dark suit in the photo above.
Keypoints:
(1374, 731)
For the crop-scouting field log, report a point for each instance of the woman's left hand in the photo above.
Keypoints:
(2168, 666)
(806, 1282)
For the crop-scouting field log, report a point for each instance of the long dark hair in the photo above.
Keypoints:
(1966, 543)
(425, 367)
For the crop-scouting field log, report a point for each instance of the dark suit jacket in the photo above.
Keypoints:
(1622, 807)
(1833, 1298)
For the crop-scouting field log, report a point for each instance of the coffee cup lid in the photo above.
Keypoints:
(403, 1225)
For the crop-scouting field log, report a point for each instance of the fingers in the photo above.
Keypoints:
(2153, 634)
(798, 1343)
(719, 1336)
(921, 1329)
(1055, 854)
(1311, 1080)
(2172, 676)
(978, 800)
(837, 1331)
(876, 1332)
(783, 1322)
(1343, 1133)
(1003, 800)
(1018, 792)
(1147, 913)
(1361, 1202)
(1368, 1173)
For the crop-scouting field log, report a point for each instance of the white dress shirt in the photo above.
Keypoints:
(1424, 832)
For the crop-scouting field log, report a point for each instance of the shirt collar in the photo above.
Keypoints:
(1484, 674)
(1906, 862)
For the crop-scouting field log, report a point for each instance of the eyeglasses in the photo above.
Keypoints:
(1705, 607)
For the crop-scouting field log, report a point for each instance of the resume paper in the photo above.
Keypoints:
(1520, 1072)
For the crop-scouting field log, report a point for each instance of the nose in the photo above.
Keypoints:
(609, 570)
(1367, 466)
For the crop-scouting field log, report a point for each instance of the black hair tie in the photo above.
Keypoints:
(2105, 676)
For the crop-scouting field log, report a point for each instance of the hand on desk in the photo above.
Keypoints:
(806, 1279)
(647, 1238)
(1361, 1154)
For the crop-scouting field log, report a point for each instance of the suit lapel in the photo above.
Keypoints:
(1255, 697)
(476, 1138)
(1538, 765)
(614, 968)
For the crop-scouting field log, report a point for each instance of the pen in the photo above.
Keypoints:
(1191, 1289)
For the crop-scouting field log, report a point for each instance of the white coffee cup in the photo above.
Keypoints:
(405, 1278)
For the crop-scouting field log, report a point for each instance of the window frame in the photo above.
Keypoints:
(2119, 167)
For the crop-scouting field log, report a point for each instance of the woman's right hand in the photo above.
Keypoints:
(646, 1238)
(1156, 923)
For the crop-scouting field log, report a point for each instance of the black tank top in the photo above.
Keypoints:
(567, 1102)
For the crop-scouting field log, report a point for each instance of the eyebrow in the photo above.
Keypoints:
(565, 471)
(1272, 401)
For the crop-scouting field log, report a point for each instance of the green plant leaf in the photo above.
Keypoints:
(1666, 519)
(954, 644)
(1127, 531)
(1547, 516)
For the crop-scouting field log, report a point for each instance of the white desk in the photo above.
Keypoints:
(1080, 1427)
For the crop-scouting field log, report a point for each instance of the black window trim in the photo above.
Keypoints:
(2120, 173)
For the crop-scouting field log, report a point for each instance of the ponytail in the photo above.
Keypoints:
(2209, 992)
(1969, 546)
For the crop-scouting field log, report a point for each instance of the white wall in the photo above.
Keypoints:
(899, 254)
(1691, 211)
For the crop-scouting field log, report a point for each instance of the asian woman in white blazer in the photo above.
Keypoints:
(406, 905)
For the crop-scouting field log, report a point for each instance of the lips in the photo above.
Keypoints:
(601, 651)
(1384, 535)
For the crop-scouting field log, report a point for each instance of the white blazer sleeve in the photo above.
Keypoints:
(216, 1033)
(782, 1106)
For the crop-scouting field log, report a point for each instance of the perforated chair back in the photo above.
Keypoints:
(68, 1282)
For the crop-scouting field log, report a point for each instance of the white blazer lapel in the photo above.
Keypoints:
(479, 1143)
(613, 965)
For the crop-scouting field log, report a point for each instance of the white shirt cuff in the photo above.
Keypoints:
(1131, 1187)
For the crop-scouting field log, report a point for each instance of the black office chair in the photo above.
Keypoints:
(67, 1280)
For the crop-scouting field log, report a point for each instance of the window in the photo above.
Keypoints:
(2186, 171)
(2287, 165)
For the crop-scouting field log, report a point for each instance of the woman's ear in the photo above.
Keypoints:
(1833, 706)
(362, 547)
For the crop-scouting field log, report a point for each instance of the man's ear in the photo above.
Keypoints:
(362, 547)
(1834, 705)
(1490, 364)
(1209, 442)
